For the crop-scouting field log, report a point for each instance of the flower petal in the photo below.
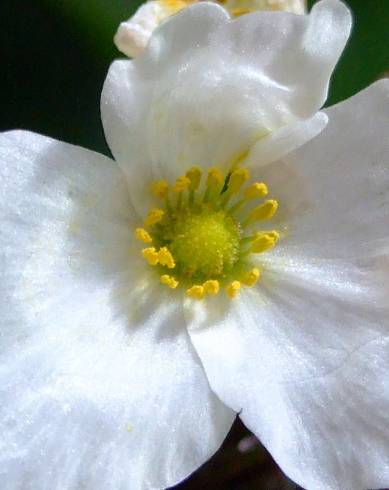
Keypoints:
(306, 353)
(207, 88)
(99, 384)
(305, 358)
(343, 210)
(286, 139)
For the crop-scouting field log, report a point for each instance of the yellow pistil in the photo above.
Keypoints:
(169, 281)
(211, 287)
(265, 211)
(258, 189)
(160, 188)
(251, 278)
(194, 175)
(237, 179)
(151, 255)
(233, 289)
(154, 216)
(142, 235)
(265, 241)
(196, 292)
(166, 258)
(182, 183)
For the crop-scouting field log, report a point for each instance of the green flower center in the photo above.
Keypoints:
(204, 243)
(201, 239)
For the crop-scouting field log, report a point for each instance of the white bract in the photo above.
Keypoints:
(133, 35)
(111, 380)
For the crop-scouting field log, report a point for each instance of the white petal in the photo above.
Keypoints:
(207, 89)
(132, 36)
(306, 353)
(99, 385)
(286, 139)
(305, 358)
(338, 203)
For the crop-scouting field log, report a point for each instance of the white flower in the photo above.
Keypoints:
(133, 35)
(111, 380)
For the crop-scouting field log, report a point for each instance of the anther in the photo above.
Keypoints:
(258, 189)
(263, 212)
(237, 179)
(169, 281)
(182, 183)
(215, 177)
(264, 242)
(166, 258)
(154, 216)
(196, 292)
(142, 235)
(160, 189)
(251, 278)
(151, 255)
(211, 287)
(237, 12)
(233, 289)
(194, 175)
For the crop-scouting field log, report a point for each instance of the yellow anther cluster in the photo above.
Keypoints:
(265, 211)
(194, 175)
(201, 235)
(237, 12)
(166, 258)
(142, 235)
(162, 257)
(237, 179)
(251, 278)
(233, 289)
(154, 216)
(182, 183)
(151, 255)
(264, 241)
(196, 292)
(258, 189)
(215, 177)
(211, 287)
(160, 189)
(169, 281)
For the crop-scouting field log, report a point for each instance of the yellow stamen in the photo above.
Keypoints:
(196, 292)
(237, 179)
(169, 281)
(258, 189)
(142, 235)
(154, 216)
(151, 255)
(194, 175)
(251, 278)
(182, 183)
(237, 12)
(265, 211)
(211, 287)
(233, 289)
(166, 258)
(160, 189)
(264, 242)
(215, 177)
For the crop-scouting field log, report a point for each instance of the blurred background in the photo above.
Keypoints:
(54, 57)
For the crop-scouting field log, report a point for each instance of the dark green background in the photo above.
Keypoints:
(54, 57)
